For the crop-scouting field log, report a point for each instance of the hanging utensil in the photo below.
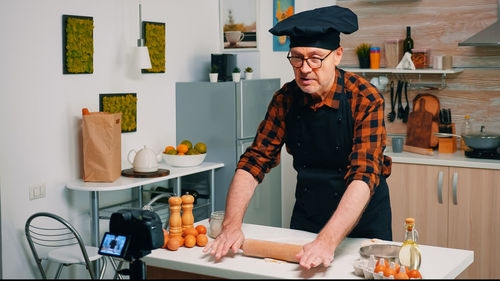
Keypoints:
(400, 104)
(407, 108)
(392, 115)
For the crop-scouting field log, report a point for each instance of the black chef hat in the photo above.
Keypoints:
(320, 27)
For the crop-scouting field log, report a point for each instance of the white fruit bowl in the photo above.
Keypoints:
(184, 160)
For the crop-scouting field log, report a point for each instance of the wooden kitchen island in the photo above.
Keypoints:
(437, 262)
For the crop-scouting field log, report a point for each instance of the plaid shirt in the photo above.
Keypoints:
(366, 161)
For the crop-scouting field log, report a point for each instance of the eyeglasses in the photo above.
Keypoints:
(312, 62)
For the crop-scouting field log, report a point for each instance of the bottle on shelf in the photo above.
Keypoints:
(409, 255)
(408, 42)
(375, 57)
(466, 129)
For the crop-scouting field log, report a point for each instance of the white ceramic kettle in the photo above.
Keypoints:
(145, 160)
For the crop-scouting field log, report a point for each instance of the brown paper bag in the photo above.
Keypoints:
(101, 133)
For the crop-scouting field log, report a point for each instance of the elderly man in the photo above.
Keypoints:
(332, 123)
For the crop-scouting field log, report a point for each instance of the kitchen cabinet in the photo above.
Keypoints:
(453, 207)
(225, 116)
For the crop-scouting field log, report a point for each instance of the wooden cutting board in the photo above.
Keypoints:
(433, 106)
(419, 128)
(132, 174)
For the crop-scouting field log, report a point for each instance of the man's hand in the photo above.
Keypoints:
(316, 253)
(229, 238)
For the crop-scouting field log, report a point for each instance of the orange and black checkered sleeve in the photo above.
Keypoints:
(367, 161)
(264, 153)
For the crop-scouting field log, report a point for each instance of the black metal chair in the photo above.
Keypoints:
(53, 239)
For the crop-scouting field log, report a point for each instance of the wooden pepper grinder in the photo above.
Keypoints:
(187, 211)
(175, 220)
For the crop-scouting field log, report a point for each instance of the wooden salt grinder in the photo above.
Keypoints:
(175, 222)
(187, 211)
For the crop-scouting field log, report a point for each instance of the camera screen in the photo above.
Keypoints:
(114, 245)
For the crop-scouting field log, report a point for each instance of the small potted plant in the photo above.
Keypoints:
(214, 73)
(248, 73)
(236, 74)
(363, 52)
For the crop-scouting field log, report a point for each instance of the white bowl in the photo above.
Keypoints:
(184, 160)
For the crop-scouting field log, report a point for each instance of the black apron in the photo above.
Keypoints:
(320, 142)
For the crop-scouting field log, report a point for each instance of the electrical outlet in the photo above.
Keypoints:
(37, 191)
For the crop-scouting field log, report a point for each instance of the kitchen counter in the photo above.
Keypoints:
(437, 262)
(456, 159)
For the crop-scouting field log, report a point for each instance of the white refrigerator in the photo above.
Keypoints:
(225, 116)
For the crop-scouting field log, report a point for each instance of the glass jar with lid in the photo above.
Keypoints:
(420, 57)
(215, 221)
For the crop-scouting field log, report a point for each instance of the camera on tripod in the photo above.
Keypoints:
(133, 233)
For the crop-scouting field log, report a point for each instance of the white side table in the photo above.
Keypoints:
(123, 183)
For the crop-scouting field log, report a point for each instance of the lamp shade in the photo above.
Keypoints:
(143, 57)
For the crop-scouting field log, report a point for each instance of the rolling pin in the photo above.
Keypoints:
(268, 249)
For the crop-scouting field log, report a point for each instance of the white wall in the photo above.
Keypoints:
(40, 108)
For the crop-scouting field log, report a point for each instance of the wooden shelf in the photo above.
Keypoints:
(404, 71)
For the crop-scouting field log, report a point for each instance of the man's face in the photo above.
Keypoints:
(316, 80)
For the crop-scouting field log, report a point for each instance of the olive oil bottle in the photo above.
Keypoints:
(409, 255)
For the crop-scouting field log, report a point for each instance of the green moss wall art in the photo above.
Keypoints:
(154, 39)
(78, 44)
(124, 103)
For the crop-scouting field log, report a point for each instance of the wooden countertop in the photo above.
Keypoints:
(437, 262)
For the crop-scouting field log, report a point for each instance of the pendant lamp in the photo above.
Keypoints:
(142, 50)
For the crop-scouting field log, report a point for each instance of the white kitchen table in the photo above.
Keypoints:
(437, 262)
(123, 183)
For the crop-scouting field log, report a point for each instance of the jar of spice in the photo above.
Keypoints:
(420, 57)
(374, 57)
(216, 219)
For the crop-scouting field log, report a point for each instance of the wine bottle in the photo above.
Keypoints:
(408, 42)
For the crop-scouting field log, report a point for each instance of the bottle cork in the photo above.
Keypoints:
(175, 221)
(187, 211)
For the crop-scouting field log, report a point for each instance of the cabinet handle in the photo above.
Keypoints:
(440, 187)
(455, 182)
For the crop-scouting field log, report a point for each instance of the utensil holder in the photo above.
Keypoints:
(447, 144)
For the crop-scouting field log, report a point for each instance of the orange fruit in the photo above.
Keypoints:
(181, 240)
(201, 229)
(189, 230)
(180, 153)
(190, 241)
(201, 240)
(165, 238)
(414, 274)
(168, 148)
(182, 148)
(173, 244)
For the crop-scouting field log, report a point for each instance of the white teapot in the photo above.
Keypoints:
(145, 160)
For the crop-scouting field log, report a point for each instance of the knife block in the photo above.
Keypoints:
(448, 144)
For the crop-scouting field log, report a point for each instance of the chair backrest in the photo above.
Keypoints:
(48, 231)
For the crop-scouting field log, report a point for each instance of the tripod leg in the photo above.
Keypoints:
(137, 270)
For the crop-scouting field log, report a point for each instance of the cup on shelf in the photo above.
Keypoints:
(397, 144)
